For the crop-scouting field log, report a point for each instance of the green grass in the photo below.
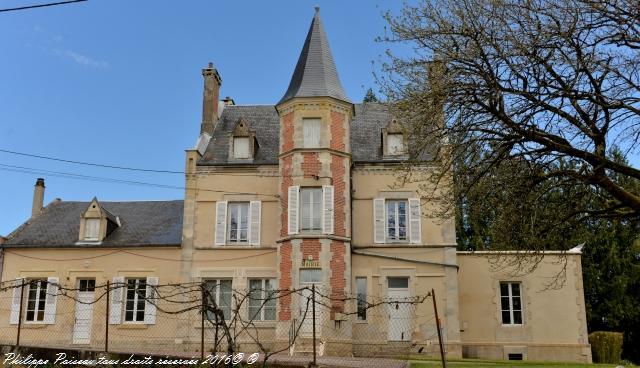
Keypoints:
(471, 363)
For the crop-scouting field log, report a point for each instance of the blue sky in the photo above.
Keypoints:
(118, 82)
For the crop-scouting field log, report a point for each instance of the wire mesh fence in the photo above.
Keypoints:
(198, 319)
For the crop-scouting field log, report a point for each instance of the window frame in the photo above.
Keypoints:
(264, 291)
(235, 148)
(390, 137)
(86, 236)
(511, 297)
(39, 301)
(306, 140)
(312, 209)
(397, 238)
(240, 205)
(136, 300)
(215, 291)
(361, 300)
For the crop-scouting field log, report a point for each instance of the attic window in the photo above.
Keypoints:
(92, 229)
(395, 144)
(241, 147)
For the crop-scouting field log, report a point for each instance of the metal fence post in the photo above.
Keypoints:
(313, 314)
(20, 313)
(106, 320)
(203, 311)
(435, 310)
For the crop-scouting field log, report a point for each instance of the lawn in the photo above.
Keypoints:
(470, 363)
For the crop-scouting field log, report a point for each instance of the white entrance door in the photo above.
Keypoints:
(308, 278)
(399, 313)
(84, 312)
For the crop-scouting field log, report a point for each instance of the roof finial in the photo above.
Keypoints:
(317, 8)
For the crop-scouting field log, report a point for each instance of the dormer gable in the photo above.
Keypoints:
(243, 142)
(394, 139)
(96, 223)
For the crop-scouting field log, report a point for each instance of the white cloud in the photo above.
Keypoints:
(81, 59)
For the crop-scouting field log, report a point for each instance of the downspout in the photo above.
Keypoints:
(404, 259)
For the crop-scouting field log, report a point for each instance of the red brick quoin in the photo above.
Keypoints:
(338, 282)
(310, 164)
(287, 132)
(338, 132)
(339, 186)
(286, 265)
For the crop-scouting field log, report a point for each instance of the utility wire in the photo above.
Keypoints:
(90, 163)
(30, 170)
(41, 5)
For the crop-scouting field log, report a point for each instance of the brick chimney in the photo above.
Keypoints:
(212, 83)
(38, 197)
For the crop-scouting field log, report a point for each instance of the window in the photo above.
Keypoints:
(395, 144)
(262, 301)
(220, 296)
(310, 275)
(36, 300)
(241, 147)
(396, 220)
(238, 222)
(92, 229)
(361, 290)
(86, 285)
(311, 132)
(136, 300)
(398, 282)
(311, 208)
(511, 303)
(515, 356)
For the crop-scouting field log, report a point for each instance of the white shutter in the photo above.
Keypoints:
(51, 300)
(311, 133)
(115, 309)
(378, 220)
(16, 301)
(150, 307)
(255, 207)
(327, 209)
(221, 223)
(294, 194)
(415, 219)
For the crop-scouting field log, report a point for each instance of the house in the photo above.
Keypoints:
(300, 194)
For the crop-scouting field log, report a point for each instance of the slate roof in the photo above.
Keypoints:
(366, 134)
(315, 74)
(145, 223)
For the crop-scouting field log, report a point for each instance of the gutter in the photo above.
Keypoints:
(404, 259)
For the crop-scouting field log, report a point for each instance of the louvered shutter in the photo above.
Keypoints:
(294, 195)
(378, 220)
(415, 219)
(15, 302)
(150, 307)
(255, 208)
(117, 291)
(327, 209)
(221, 223)
(51, 300)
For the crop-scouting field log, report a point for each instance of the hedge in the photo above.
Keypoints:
(606, 346)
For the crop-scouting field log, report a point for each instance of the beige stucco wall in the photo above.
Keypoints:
(554, 327)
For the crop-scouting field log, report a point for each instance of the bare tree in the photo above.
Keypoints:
(549, 86)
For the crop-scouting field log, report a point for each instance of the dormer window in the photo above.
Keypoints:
(92, 229)
(311, 133)
(243, 142)
(395, 144)
(96, 223)
(241, 147)
(393, 139)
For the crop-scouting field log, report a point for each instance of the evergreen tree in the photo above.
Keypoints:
(370, 96)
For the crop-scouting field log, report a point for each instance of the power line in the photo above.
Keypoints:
(30, 170)
(41, 5)
(90, 163)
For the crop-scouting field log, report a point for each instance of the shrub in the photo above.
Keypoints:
(606, 346)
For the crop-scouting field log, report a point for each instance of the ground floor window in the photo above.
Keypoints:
(136, 300)
(511, 303)
(36, 299)
(220, 295)
(262, 300)
(361, 290)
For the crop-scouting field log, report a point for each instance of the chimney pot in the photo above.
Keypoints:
(38, 197)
